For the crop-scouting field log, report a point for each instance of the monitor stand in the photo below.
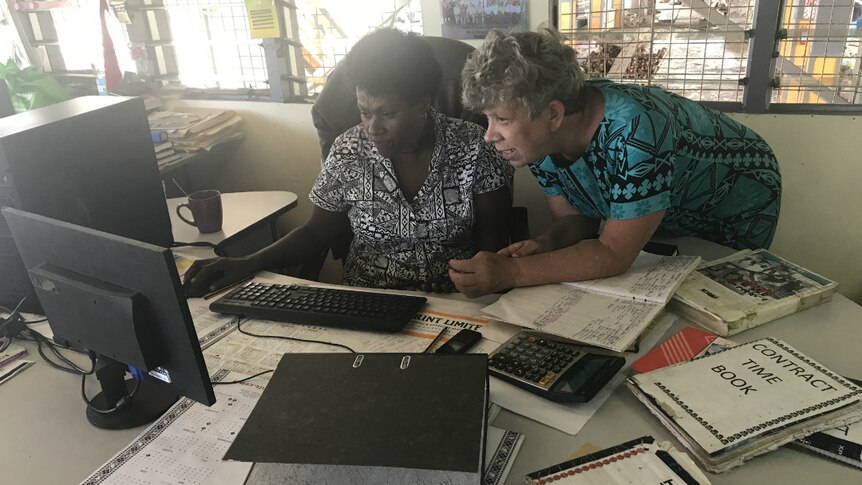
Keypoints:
(149, 401)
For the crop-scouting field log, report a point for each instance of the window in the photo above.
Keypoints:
(205, 47)
(820, 53)
(11, 46)
(741, 53)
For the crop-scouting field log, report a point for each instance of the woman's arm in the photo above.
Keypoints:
(304, 242)
(611, 254)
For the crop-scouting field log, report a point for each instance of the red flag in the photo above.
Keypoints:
(113, 77)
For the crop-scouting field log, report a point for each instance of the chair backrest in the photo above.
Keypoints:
(335, 109)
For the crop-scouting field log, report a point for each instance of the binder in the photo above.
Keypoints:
(369, 418)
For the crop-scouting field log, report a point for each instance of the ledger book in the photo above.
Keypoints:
(747, 289)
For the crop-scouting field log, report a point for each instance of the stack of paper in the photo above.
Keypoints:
(165, 153)
(735, 404)
(610, 313)
(747, 289)
(638, 461)
(11, 362)
(843, 444)
(191, 132)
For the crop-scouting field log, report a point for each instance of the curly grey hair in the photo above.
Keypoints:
(530, 68)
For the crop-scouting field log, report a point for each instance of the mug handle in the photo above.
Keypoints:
(180, 215)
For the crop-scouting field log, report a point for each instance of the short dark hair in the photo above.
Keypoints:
(388, 61)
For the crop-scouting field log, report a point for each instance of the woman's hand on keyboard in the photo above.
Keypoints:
(208, 275)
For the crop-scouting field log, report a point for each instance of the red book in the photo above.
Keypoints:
(681, 347)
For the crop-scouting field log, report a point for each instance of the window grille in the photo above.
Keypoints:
(820, 52)
(702, 49)
(695, 48)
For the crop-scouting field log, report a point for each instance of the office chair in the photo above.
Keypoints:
(335, 111)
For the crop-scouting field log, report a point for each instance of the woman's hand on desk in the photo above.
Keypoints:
(208, 275)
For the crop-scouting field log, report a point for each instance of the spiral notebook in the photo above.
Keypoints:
(643, 460)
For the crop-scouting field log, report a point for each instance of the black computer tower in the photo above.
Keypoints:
(89, 161)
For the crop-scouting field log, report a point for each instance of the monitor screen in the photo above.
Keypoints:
(122, 300)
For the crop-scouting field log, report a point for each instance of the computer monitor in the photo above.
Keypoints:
(122, 300)
(89, 161)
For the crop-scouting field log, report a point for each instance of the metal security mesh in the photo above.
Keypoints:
(329, 28)
(820, 52)
(695, 48)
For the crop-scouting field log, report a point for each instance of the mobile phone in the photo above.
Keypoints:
(460, 343)
(556, 370)
(662, 249)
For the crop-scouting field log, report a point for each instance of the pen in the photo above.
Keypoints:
(435, 340)
(228, 287)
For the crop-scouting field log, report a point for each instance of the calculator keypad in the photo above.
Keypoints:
(533, 360)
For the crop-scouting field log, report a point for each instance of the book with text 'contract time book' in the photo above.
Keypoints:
(737, 403)
(375, 418)
(747, 289)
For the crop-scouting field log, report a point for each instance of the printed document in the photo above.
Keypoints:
(610, 313)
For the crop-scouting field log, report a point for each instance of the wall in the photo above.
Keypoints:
(819, 157)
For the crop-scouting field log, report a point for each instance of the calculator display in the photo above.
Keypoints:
(560, 371)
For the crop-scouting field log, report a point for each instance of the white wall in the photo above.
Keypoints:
(820, 159)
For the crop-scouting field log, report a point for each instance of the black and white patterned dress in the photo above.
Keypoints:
(401, 244)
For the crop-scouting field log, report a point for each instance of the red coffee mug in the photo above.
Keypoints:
(205, 206)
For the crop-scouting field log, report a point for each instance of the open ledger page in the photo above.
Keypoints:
(594, 319)
(650, 278)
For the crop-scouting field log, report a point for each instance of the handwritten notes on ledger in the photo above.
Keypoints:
(609, 313)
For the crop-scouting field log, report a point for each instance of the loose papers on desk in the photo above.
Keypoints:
(11, 361)
(610, 313)
(643, 460)
(187, 443)
(730, 406)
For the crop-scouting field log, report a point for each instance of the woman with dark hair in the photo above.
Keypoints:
(417, 188)
(618, 163)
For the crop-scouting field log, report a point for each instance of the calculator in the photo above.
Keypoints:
(556, 370)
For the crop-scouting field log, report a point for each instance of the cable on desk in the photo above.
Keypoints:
(40, 339)
(202, 244)
(122, 403)
(239, 328)
(239, 381)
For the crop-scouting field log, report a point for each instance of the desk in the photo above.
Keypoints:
(47, 440)
(243, 213)
(829, 333)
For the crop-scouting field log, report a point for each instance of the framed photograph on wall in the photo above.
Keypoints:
(472, 19)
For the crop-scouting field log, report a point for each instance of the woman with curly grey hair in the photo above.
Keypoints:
(617, 163)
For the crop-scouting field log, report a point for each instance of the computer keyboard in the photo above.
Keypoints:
(314, 305)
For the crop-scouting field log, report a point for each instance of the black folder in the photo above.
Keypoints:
(329, 414)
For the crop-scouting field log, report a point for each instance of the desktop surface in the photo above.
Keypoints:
(42, 419)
